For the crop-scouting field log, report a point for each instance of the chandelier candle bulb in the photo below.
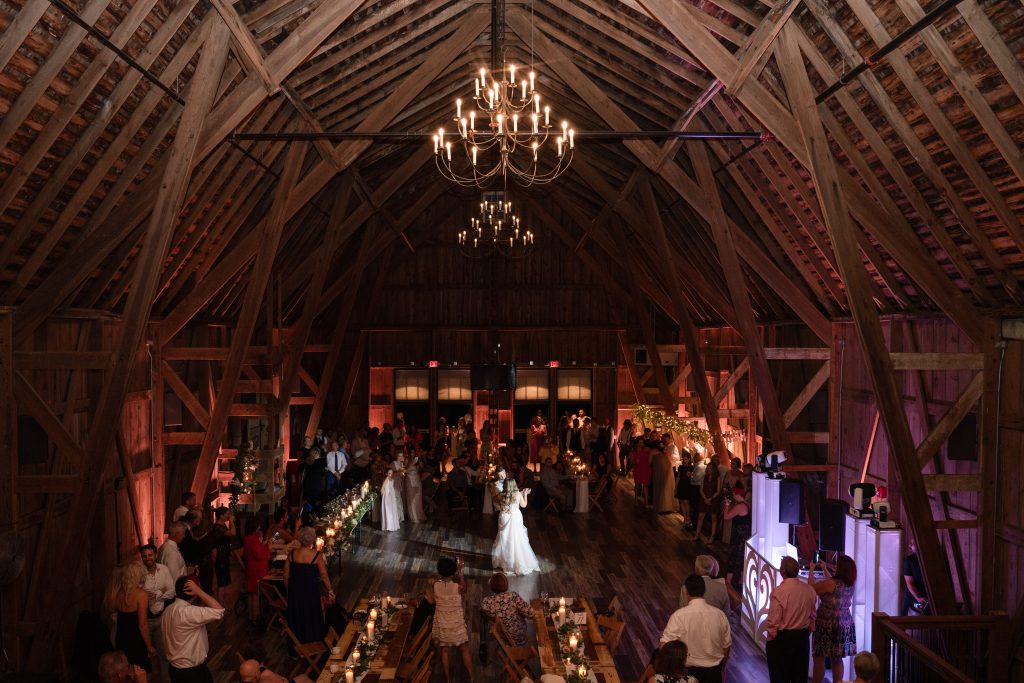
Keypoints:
(547, 116)
(524, 89)
(462, 124)
(532, 82)
(435, 144)
(500, 120)
(474, 155)
(558, 141)
(533, 117)
(536, 102)
(572, 135)
(472, 120)
(512, 73)
(535, 152)
(476, 86)
(458, 108)
(565, 127)
(515, 123)
(448, 148)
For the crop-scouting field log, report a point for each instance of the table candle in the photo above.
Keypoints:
(350, 675)
(369, 630)
(373, 614)
(561, 602)
(561, 615)
(582, 671)
(355, 656)
(573, 641)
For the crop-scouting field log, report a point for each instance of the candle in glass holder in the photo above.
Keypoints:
(356, 655)
(561, 615)
(320, 544)
(369, 630)
(561, 602)
(573, 641)
(582, 671)
(373, 614)
(386, 601)
(350, 675)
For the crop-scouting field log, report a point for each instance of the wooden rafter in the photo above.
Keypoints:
(105, 420)
(890, 402)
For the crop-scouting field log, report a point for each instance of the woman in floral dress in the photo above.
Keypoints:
(834, 634)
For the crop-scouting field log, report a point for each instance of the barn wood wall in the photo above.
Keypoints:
(71, 395)
(856, 408)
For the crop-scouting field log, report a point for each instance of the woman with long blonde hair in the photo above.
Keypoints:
(130, 603)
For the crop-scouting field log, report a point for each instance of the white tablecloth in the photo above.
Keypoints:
(582, 495)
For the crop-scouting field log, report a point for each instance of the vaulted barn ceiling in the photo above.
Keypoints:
(927, 143)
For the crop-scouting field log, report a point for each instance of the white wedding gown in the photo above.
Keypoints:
(511, 551)
(391, 508)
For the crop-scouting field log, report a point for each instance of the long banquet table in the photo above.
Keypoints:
(384, 665)
(600, 657)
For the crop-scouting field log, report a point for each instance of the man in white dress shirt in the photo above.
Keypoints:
(159, 585)
(337, 463)
(704, 629)
(170, 554)
(188, 502)
(184, 632)
(716, 594)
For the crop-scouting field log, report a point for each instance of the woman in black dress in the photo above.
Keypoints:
(683, 475)
(304, 573)
(738, 510)
(131, 604)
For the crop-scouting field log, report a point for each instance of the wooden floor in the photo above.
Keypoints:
(625, 551)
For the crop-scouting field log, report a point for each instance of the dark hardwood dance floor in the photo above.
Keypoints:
(625, 550)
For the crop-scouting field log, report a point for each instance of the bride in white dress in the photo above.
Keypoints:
(511, 551)
(391, 508)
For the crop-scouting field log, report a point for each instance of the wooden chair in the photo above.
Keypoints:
(311, 652)
(552, 504)
(595, 496)
(611, 631)
(418, 655)
(514, 659)
(332, 637)
(459, 501)
(275, 600)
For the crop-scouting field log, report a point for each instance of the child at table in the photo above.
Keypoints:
(449, 629)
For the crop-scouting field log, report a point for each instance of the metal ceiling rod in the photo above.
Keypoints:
(127, 58)
(872, 60)
(595, 135)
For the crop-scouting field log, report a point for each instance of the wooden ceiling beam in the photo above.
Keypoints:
(268, 237)
(998, 51)
(881, 98)
(869, 328)
(891, 231)
(737, 285)
(945, 129)
(105, 423)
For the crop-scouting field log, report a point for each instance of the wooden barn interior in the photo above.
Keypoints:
(798, 223)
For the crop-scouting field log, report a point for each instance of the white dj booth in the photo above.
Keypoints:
(877, 553)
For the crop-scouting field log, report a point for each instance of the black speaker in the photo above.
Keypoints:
(791, 501)
(963, 442)
(492, 377)
(833, 525)
(33, 442)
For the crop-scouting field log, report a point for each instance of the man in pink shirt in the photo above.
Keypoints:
(791, 613)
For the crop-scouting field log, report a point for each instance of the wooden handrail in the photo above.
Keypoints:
(887, 629)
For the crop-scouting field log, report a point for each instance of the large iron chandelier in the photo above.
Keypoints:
(497, 229)
(508, 135)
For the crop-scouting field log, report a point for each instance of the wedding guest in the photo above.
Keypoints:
(130, 603)
(663, 483)
(256, 557)
(188, 502)
(184, 631)
(449, 630)
(304, 573)
(641, 470)
(715, 594)
(222, 535)
(625, 442)
(251, 671)
(738, 512)
(834, 635)
(791, 616)
(696, 479)
(866, 667)
(508, 607)
(549, 480)
(683, 485)
(710, 499)
(279, 528)
(915, 595)
(336, 463)
(114, 667)
(670, 664)
(414, 478)
(705, 630)
(159, 586)
(170, 553)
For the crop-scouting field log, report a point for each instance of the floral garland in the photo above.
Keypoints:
(245, 465)
(342, 514)
(367, 647)
(575, 660)
(658, 419)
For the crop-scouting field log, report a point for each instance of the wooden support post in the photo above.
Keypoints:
(670, 403)
(994, 348)
(50, 607)
(634, 376)
(869, 329)
(270, 237)
(311, 302)
(344, 314)
(686, 326)
(159, 493)
(723, 235)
